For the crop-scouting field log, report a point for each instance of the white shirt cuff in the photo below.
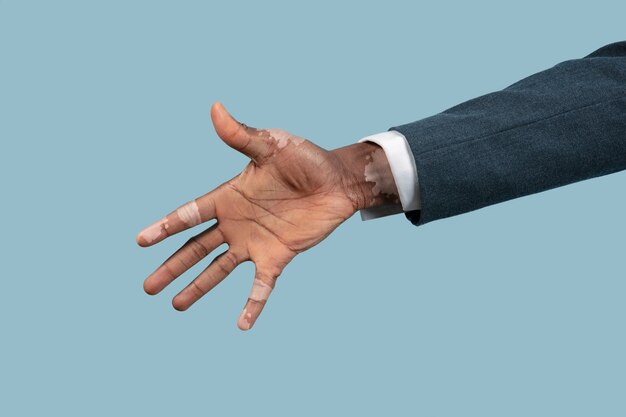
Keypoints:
(402, 164)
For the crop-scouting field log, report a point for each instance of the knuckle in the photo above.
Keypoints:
(199, 250)
(182, 264)
(167, 267)
(230, 260)
(222, 268)
(196, 290)
(225, 263)
(269, 274)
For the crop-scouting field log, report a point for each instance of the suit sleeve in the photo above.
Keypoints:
(556, 127)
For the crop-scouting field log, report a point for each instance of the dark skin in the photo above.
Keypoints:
(289, 197)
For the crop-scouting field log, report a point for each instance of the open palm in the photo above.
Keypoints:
(288, 198)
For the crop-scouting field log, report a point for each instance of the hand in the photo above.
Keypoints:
(288, 198)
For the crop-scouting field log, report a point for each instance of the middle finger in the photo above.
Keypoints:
(184, 258)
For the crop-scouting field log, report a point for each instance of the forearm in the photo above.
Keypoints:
(553, 128)
(368, 179)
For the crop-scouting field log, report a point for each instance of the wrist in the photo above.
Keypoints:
(368, 180)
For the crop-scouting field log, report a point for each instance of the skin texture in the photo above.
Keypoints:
(289, 197)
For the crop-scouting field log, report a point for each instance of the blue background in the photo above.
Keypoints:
(516, 309)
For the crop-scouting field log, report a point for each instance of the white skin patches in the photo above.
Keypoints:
(151, 233)
(283, 138)
(245, 319)
(260, 291)
(383, 184)
(189, 214)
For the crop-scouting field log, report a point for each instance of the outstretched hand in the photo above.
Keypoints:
(289, 197)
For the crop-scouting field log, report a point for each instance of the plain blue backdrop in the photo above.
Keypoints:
(513, 310)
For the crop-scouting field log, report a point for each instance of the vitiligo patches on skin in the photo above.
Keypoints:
(189, 214)
(260, 291)
(259, 294)
(283, 138)
(245, 319)
(383, 184)
(153, 232)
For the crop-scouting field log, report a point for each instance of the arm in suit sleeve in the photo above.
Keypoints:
(556, 127)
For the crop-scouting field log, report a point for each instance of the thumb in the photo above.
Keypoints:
(247, 140)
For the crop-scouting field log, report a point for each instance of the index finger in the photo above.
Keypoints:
(185, 217)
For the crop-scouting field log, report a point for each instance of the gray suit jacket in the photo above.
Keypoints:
(559, 126)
